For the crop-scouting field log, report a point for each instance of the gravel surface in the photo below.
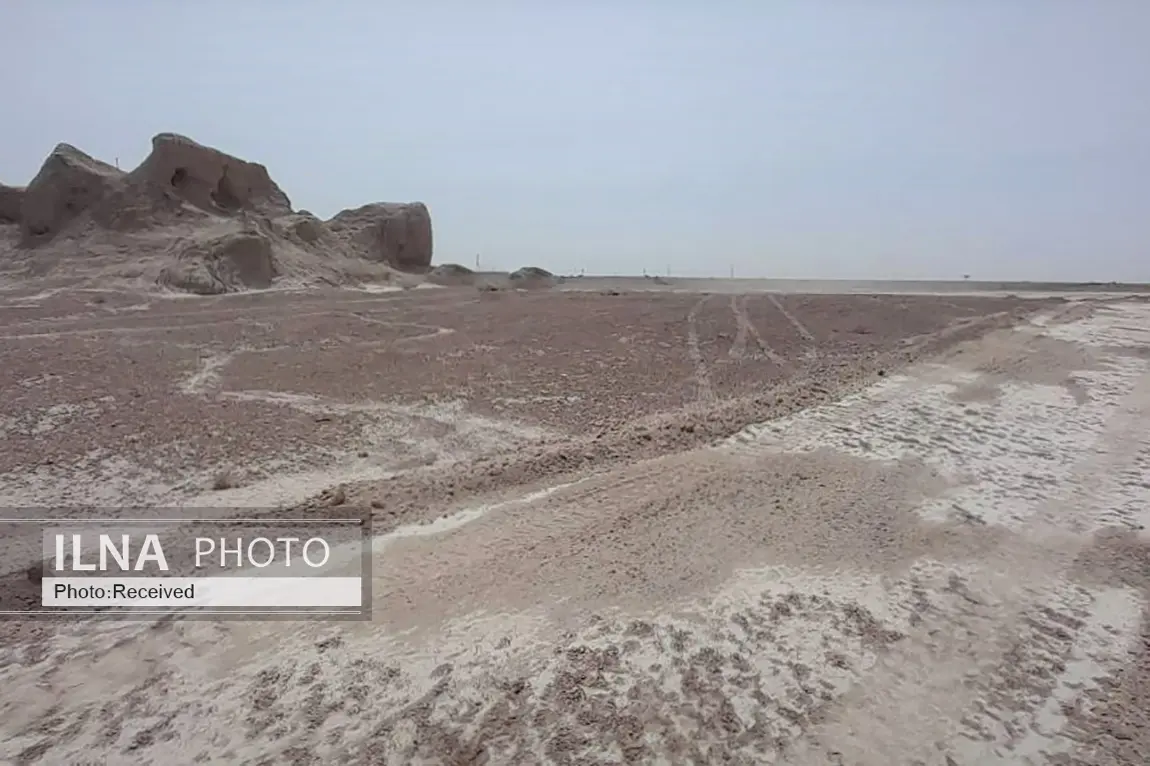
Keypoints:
(665, 527)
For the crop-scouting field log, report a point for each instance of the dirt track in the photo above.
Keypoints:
(942, 563)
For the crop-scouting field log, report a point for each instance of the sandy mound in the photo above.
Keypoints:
(305, 228)
(191, 217)
(450, 274)
(531, 276)
(220, 264)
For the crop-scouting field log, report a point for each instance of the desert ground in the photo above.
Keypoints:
(619, 521)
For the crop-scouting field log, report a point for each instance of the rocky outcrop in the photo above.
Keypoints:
(398, 234)
(69, 184)
(11, 200)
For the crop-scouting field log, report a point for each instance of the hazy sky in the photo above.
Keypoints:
(857, 138)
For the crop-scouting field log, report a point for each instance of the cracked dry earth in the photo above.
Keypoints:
(943, 565)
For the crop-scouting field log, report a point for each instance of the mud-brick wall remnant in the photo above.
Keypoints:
(69, 183)
(208, 178)
(11, 200)
(395, 233)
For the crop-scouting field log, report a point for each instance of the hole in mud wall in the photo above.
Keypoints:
(180, 177)
(225, 195)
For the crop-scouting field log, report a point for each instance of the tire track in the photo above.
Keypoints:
(763, 345)
(746, 329)
(705, 391)
(739, 346)
(799, 326)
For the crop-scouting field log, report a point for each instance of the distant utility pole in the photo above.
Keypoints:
(477, 261)
(668, 271)
(732, 271)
